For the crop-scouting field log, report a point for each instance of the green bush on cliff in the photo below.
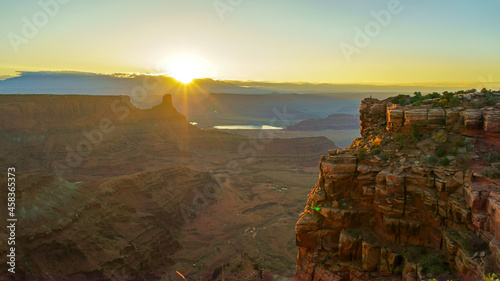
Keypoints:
(417, 99)
(465, 160)
(490, 101)
(444, 162)
(439, 137)
(441, 151)
(484, 91)
(384, 155)
(431, 260)
(376, 151)
(415, 133)
(434, 95)
(448, 95)
(431, 159)
(443, 102)
(459, 143)
(454, 101)
(400, 139)
(362, 153)
(447, 98)
(491, 277)
(477, 104)
(401, 99)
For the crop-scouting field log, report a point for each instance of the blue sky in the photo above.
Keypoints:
(295, 40)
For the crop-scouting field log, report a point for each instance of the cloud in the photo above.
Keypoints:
(4, 77)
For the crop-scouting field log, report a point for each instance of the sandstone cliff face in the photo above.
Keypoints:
(387, 208)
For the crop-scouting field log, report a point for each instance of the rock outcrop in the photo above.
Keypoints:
(417, 197)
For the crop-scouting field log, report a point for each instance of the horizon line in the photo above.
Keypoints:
(4, 77)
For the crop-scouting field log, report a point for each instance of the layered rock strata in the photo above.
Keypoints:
(387, 208)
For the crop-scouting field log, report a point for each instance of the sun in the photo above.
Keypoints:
(184, 70)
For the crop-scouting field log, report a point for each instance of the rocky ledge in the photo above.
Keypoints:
(416, 198)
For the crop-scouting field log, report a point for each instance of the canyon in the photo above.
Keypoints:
(107, 191)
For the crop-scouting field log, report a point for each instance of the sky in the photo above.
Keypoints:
(332, 41)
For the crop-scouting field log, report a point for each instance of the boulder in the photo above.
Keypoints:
(370, 256)
(349, 246)
(473, 119)
(492, 120)
(394, 119)
(415, 117)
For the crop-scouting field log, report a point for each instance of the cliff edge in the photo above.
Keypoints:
(416, 198)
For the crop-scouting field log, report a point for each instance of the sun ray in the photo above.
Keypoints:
(184, 70)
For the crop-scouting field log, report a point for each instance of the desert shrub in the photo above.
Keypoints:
(453, 152)
(490, 101)
(417, 99)
(431, 159)
(401, 99)
(436, 265)
(447, 95)
(444, 161)
(484, 91)
(431, 260)
(415, 133)
(400, 139)
(441, 151)
(434, 95)
(362, 153)
(454, 101)
(439, 137)
(459, 143)
(376, 150)
(491, 277)
(477, 103)
(376, 142)
(465, 160)
(443, 102)
(384, 155)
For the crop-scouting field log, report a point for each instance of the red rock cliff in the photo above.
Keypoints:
(416, 197)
